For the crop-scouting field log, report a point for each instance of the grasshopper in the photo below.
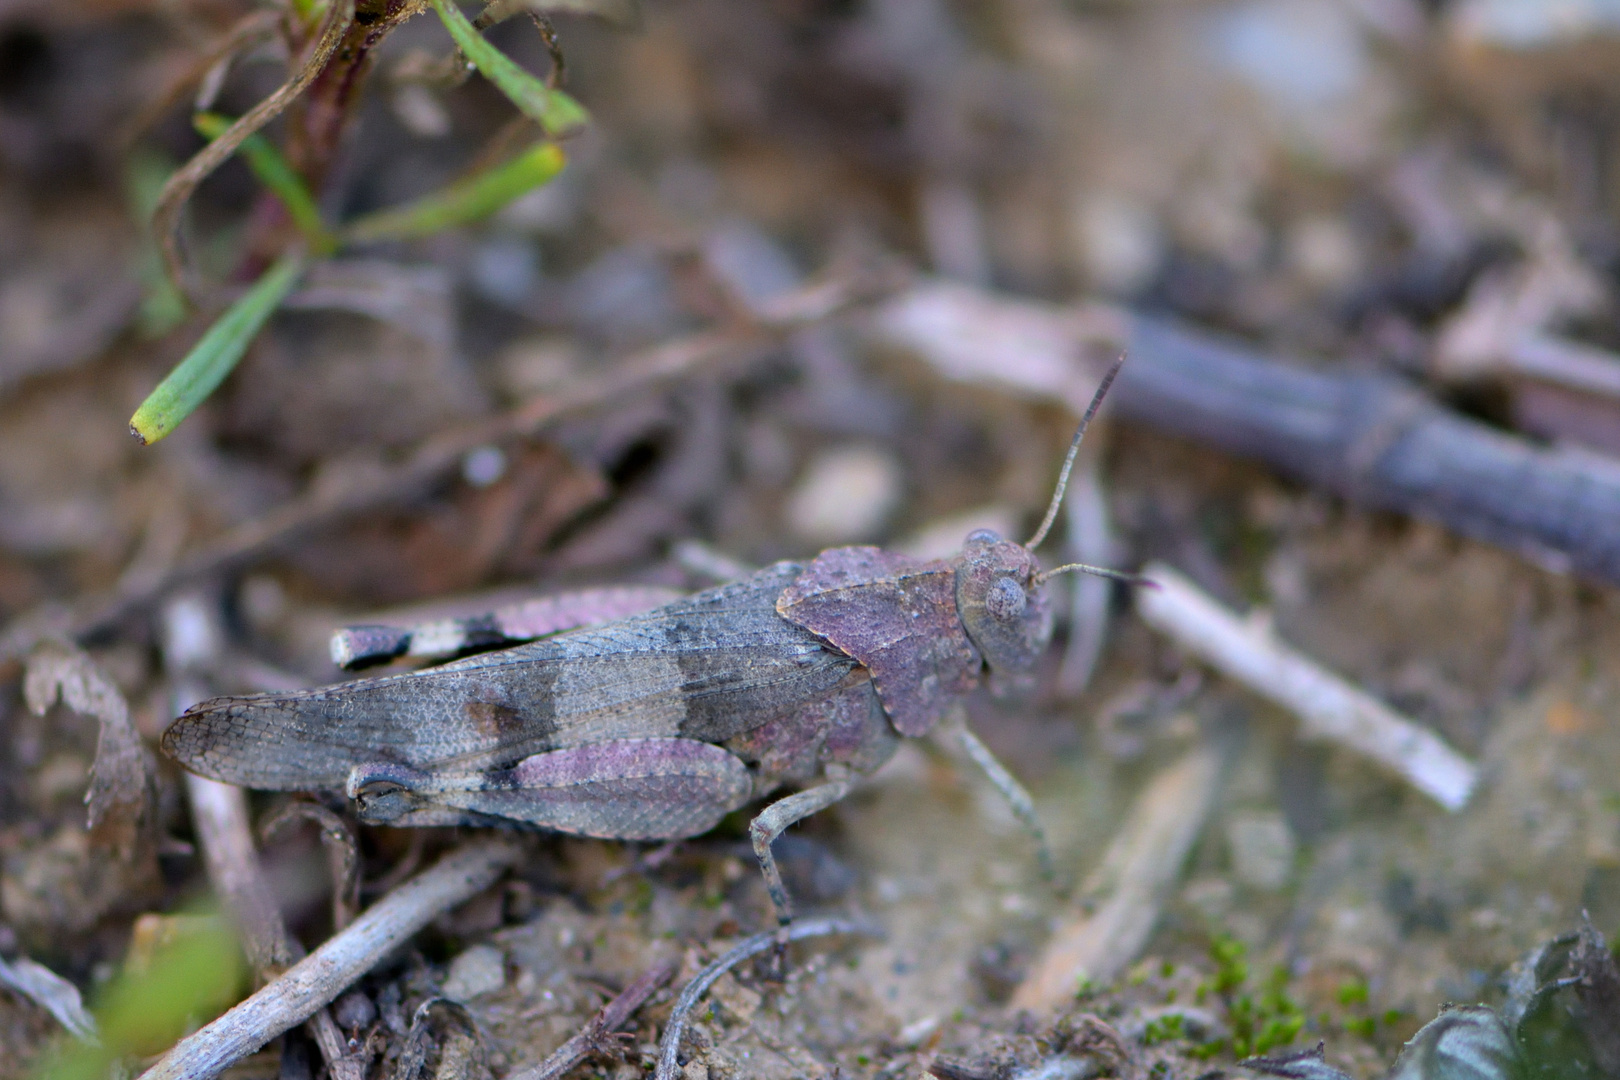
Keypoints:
(656, 725)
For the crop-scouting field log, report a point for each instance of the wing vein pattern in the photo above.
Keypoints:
(708, 667)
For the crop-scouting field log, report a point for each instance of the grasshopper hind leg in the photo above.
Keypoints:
(777, 817)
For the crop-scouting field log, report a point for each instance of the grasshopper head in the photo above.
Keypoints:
(1000, 601)
(999, 586)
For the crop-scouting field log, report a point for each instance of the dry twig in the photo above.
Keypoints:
(1329, 707)
(594, 1037)
(320, 977)
(219, 814)
(1371, 438)
(220, 819)
(1129, 888)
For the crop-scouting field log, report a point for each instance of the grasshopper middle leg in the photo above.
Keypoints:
(778, 816)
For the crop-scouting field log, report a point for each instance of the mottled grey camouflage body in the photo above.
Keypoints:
(706, 668)
(656, 725)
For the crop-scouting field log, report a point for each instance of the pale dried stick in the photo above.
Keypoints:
(1330, 708)
(219, 813)
(1373, 439)
(325, 973)
(669, 1048)
(1573, 365)
(192, 639)
(1130, 886)
(594, 1037)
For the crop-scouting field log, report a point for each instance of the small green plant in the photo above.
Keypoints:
(338, 40)
(1353, 992)
(192, 975)
(1262, 1018)
(1167, 1028)
(1355, 996)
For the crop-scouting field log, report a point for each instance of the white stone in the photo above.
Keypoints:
(845, 495)
(478, 971)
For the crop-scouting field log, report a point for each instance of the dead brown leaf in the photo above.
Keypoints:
(119, 780)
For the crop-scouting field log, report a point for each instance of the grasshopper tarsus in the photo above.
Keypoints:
(771, 822)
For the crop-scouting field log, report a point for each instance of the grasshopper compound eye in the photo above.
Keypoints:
(1005, 600)
(999, 601)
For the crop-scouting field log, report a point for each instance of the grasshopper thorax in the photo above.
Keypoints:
(1001, 602)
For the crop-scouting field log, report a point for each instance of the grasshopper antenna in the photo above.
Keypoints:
(1095, 571)
(1068, 464)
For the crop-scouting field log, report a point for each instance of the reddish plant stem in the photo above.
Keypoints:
(317, 126)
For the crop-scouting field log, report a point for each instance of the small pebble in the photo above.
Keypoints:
(506, 270)
(190, 634)
(478, 971)
(420, 111)
(917, 1032)
(1324, 252)
(354, 1010)
(1120, 242)
(847, 494)
(542, 364)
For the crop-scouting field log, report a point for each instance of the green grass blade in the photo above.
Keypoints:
(212, 358)
(551, 109)
(468, 200)
(275, 173)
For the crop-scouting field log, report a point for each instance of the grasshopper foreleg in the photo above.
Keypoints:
(778, 816)
(1018, 800)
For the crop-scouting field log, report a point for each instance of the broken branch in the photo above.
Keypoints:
(593, 1036)
(1370, 438)
(1130, 886)
(1330, 708)
(325, 973)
